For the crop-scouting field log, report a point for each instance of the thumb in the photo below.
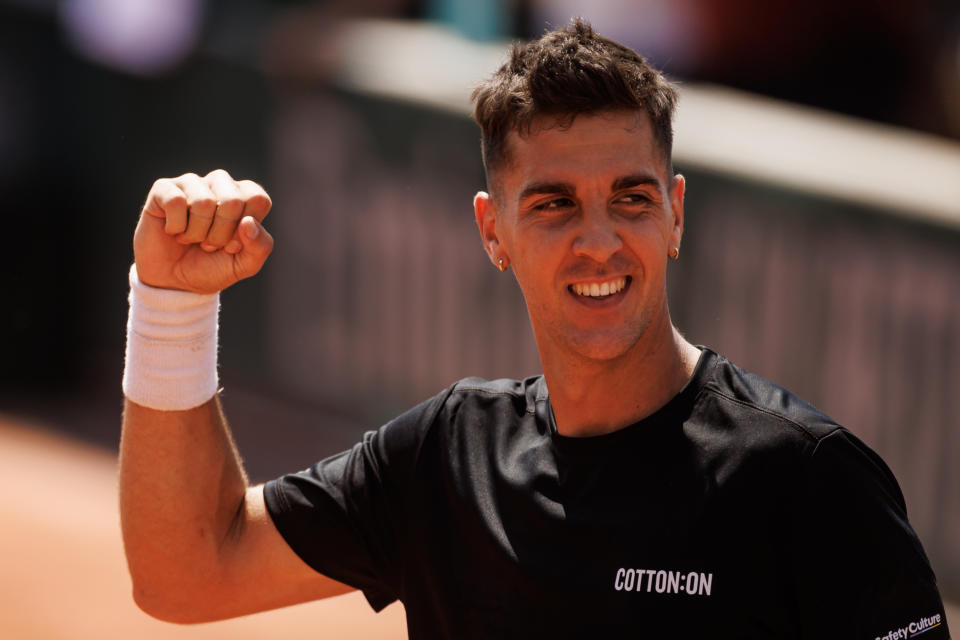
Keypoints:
(257, 245)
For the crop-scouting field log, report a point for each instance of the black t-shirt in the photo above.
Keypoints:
(735, 511)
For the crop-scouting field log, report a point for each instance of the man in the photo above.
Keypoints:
(641, 486)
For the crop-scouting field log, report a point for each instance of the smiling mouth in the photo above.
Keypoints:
(600, 289)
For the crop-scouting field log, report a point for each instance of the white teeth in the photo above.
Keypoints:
(595, 290)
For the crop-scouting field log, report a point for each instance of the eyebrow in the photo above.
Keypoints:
(635, 180)
(542, 188)
(566, 188)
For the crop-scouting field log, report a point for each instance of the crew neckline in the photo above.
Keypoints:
(674, 411)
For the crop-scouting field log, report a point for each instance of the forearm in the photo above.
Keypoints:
(183, 504)
(182, 489)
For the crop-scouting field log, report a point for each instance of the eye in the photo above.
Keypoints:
(557, 204)
(634, 198)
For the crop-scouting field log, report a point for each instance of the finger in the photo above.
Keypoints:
(229, 211)
(257, 205)
(166, 200)
(201, 207)
(233, 247)
(256, 201)
(257, 245)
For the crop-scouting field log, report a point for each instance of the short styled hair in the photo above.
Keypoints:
(566, 73)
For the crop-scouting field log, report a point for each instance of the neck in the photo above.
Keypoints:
(592, 398)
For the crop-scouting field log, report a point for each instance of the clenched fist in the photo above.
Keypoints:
(202, 234)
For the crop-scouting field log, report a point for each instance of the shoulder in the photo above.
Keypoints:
(477, 393)
(467, 402)
(762, 407)
(765, 418)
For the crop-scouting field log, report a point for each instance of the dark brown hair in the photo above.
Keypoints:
(568, 72)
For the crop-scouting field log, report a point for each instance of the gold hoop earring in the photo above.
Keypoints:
(675, 253)
(501, 266)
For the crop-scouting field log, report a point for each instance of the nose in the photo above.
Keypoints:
(597, 238)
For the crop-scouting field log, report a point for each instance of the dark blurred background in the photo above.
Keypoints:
(354, 116)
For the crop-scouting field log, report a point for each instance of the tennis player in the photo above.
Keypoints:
(641, 487)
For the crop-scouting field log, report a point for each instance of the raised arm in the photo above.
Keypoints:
(199, 543)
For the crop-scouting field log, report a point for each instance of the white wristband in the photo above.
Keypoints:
(171, 360)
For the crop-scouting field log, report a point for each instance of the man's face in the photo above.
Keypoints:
(586, 217)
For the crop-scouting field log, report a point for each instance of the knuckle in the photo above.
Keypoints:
(253, 189)
(218, 174)
(260, 201)
(175, 200)
(230, 207)
(203, 205)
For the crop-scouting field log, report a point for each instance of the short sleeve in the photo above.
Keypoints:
(861, 570)
(344, 515)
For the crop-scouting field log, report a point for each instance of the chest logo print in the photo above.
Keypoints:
(692, 583)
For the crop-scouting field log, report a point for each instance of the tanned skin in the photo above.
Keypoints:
(199, 543)
(592, 203)
(580, 205)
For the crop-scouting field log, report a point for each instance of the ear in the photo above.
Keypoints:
(677, 187)
(485, 212)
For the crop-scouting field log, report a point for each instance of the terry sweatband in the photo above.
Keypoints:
(171, 359)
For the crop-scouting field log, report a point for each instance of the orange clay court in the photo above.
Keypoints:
(62, 570)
